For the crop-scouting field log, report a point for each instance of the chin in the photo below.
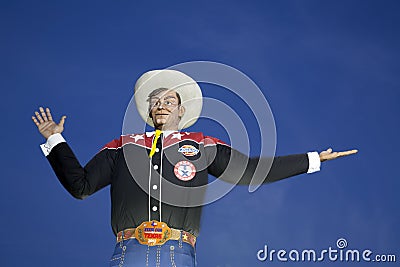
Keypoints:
(161, 121)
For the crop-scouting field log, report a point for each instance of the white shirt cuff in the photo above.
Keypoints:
(314, 163)
(51, 142)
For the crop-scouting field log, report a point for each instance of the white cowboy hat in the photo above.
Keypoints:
(185, 86)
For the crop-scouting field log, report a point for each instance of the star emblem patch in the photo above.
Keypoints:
(184, 170)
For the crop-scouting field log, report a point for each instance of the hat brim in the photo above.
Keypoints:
(185, 86)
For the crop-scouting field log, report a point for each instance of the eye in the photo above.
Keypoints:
(154, 103)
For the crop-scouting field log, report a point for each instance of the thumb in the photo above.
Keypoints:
(62, 121)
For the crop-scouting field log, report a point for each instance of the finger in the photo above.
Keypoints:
(44, 116)
(35, 121)
(329, 150)
(346, 153)
(62, 121)
(49, 114)
(39, 117)
(349, 152)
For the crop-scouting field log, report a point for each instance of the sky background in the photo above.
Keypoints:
(329, 70)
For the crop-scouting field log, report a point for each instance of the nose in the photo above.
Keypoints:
(160, 105)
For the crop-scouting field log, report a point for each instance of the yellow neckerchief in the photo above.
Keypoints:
(153, 146)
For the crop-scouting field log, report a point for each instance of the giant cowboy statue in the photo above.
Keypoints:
(143, 168)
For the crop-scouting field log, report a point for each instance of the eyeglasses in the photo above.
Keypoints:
(166, 103)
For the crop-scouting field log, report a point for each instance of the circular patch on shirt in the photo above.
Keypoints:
(184, 170)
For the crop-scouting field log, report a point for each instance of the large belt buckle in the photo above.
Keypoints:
(152, 233)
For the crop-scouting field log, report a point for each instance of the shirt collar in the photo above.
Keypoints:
(164, 133)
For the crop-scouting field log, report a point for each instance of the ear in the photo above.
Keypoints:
(181, 111)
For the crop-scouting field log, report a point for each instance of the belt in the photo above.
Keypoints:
(187, 237)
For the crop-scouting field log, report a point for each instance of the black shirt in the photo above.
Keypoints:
(185, 161)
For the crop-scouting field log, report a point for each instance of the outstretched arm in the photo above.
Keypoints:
(229, 163)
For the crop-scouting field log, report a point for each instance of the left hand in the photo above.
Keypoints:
(329, 154)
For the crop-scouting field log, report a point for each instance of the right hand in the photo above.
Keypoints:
(45, 123)
(329, 154)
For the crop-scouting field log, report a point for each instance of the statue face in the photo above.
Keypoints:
(165, 110)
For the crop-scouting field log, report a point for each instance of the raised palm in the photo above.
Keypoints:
(46, 125)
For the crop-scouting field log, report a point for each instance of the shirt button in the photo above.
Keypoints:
(155, 167)
(157, 149)
(154, 208)
(155, 187)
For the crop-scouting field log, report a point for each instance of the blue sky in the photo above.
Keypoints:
(329, 70)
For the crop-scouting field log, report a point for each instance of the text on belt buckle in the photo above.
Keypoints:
(153, 233)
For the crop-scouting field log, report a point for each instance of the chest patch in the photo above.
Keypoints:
(188, 150)
(184, 170)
